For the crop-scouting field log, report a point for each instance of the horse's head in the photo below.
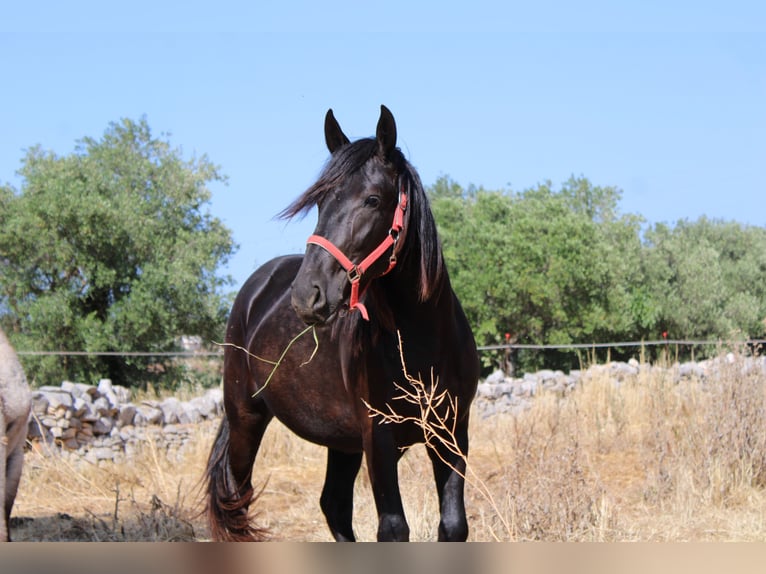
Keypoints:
(361, 205)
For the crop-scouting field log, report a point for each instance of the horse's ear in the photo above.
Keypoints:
(333, 135)
(386, 132)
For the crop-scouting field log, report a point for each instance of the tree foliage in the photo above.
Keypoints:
(564, 266)
(708, 278)
(111, 248)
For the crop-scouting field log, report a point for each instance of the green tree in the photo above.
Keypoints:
(111, 248)
(564, 266)
(707, 278)
(548, 267)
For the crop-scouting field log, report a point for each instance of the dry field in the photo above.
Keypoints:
(649, 460)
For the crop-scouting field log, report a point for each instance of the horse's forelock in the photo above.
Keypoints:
(346, 161)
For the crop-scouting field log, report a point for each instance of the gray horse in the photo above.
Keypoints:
(15, 404)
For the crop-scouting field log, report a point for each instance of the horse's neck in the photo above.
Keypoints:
(403, 297)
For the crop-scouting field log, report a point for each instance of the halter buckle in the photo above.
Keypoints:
(354, 275)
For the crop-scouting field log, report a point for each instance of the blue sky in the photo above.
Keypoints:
(665, 100)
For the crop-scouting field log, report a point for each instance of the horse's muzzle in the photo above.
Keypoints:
(309, 300)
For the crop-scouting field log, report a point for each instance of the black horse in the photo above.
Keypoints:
(373, 272)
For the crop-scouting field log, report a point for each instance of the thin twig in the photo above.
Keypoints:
(438, 430)
(316, 348)
(281, 357)
(248, 353)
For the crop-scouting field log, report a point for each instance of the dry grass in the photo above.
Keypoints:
(649, 460)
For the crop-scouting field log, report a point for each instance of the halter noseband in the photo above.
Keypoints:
(356, 271)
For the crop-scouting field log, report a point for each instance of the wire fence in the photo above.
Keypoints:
(182, 354)
(752, 343)
(658, 343)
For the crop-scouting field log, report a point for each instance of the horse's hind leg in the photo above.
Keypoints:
(337, 499)
(449, 472)
(12, 479)
(5, 512)
(229, 474)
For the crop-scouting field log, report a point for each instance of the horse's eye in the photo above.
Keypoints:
(372, 201)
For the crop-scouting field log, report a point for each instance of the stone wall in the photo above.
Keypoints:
(500, 394)
(98, 422)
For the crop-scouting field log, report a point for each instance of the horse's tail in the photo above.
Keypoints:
(228, 503)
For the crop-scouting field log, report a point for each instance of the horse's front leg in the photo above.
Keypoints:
(382, 457)
(337, 501)
(449, 473)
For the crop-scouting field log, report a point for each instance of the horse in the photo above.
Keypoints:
(374, 288)
(15, 406)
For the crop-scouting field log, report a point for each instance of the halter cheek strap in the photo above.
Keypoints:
(356, 271)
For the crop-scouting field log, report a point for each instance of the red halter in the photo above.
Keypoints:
(355, 271)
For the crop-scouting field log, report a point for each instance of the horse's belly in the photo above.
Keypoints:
(314, 405)
(334, 429)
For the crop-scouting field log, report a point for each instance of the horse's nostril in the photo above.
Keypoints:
(318, 300)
